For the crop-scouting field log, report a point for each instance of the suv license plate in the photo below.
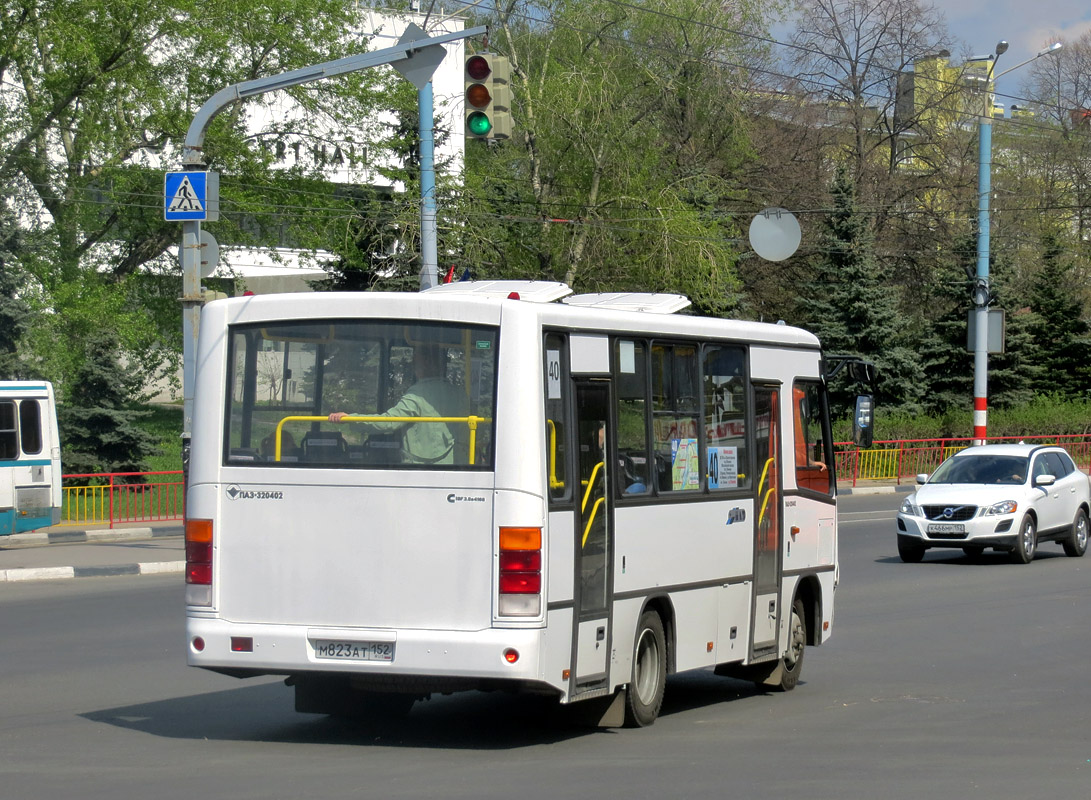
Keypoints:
(947, 527)
(354, 651)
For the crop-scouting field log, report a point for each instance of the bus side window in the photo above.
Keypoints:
(9, 444)
(811, 456)
(635, 473)
(30, 426)
(725, 417)
(674, 417)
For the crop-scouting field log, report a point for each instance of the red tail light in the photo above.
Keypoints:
(199, 551)
(520, 572)
(199, 562)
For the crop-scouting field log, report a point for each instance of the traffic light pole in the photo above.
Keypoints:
(429, 247)
(416, 57)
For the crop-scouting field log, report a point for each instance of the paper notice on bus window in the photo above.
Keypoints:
(723, 468)
(684, 466)
(553, 374)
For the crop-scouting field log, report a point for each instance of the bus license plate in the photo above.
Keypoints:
(354, 651)
(947, 527)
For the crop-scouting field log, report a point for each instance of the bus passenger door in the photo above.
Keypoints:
(768, 523)
(594, 536)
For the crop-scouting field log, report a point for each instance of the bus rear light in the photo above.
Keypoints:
(520, 539)
(520, 582)
(521, 561)
(520, 578)
(198, 644)
(511, 655)
(199, 562)
(242, 644)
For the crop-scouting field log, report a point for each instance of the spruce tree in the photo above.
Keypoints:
(14, 313)
(1062, 337)
(97, 423)
(853, 306)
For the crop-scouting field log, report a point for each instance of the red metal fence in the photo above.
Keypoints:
(897, 460)
(99, 498)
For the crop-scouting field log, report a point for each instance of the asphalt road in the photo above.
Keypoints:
(949, 678)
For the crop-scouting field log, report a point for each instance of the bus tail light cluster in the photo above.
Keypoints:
(520, 572)
(198, 562)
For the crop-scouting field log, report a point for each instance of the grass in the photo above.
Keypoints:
(164, 425)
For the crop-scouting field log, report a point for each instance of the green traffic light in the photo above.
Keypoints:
(478, 123)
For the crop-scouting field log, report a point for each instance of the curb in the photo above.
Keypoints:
(83, 536)
(892, 489)
(59, 573)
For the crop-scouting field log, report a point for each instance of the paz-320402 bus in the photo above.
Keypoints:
(598, 493)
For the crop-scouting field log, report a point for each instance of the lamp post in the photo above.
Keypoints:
(981, 293)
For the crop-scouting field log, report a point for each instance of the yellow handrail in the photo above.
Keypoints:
(591, 483)
(471, 420)
(590, 520)
(553, 482)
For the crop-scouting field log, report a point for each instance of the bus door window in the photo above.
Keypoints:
(594, 511)
(556, 381)
(766, 440)
(675, 413)
(812, 458)
(725, 417)
(630, 382)
(9, 442)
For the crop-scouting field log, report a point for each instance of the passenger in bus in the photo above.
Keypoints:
(431, 396)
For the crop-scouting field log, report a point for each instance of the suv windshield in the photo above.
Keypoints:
(417, 395)
(1010, 470)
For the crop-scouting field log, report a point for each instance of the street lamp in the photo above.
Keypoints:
(981, 294)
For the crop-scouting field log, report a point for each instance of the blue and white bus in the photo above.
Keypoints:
(621, 492)
(30, 457)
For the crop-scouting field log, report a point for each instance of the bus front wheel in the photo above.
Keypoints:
(644, 697)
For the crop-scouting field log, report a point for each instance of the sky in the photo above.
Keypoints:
(1027, 25)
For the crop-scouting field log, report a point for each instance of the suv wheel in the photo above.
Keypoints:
(1076, 543)
(1026, 545)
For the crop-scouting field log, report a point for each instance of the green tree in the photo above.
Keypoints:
(853, 309)
(1062, 338)
(14, 311)
(628, 130)
(97, 425)
(98, 96)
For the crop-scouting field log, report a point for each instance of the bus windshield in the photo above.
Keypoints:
(402, 394)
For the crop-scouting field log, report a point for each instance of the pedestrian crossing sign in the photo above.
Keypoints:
(189, 196)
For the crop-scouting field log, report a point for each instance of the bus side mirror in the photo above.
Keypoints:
(862, 432)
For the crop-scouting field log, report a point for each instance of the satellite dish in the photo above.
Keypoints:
(774, 234)
(210, 254)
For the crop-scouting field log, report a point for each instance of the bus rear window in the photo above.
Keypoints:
(402, 394)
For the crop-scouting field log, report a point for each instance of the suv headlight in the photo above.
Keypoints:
(911, 508)
(1003, 507)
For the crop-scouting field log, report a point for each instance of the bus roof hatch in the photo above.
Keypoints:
(530, 291)
(631, 301)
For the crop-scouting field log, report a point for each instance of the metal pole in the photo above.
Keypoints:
(429, 256)
(190, 257)
(981, 283)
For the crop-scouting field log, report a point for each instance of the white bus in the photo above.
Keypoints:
(616, 492)
(30, 457)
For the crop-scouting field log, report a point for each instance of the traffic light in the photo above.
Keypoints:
(488, 96)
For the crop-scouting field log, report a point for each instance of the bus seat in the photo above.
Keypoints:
(325, 447)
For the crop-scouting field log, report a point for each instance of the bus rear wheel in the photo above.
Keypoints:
(644, 698)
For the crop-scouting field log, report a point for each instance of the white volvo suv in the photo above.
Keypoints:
(1004, 496)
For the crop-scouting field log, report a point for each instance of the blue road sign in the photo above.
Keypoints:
(185, 196)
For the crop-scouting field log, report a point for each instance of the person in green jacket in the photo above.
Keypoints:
(430, 396)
